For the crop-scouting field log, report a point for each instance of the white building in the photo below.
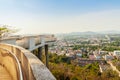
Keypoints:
(108, 57)
(116, 53)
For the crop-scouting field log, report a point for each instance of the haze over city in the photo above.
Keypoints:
(60, 16)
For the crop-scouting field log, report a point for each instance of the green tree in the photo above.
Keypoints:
(5, 30)
(64, 71)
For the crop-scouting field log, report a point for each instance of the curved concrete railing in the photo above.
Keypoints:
(9, 61)
(32, 67)
(29, 42)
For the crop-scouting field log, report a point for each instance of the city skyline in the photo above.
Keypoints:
(60, 16)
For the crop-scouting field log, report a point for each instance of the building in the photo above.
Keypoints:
(108, 57)
(116, 53)
(104, 67)
(78, 55)
(97, 56)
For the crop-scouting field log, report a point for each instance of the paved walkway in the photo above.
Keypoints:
(4, 75)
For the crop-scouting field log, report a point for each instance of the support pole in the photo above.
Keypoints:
(40, 53)
(33, 52)
(46, 54)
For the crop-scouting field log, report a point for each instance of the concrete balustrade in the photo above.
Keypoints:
(29, 42)
(37, 40)
(9, 63)
(32, 67)
(24, 42)
(9, 40)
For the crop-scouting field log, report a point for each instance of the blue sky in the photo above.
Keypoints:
(60, 16)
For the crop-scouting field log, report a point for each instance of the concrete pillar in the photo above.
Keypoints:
(31, 42)
(40, 53)
(46, 55)
(34, 52)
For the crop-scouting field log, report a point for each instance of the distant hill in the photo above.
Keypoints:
(91, 33)
(84, 33)
(110, 32)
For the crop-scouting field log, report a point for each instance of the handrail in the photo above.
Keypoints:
(19, 67)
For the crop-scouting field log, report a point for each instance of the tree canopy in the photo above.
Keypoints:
(6, 30)
(64, 71)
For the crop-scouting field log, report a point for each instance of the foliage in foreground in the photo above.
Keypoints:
(5, 30)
